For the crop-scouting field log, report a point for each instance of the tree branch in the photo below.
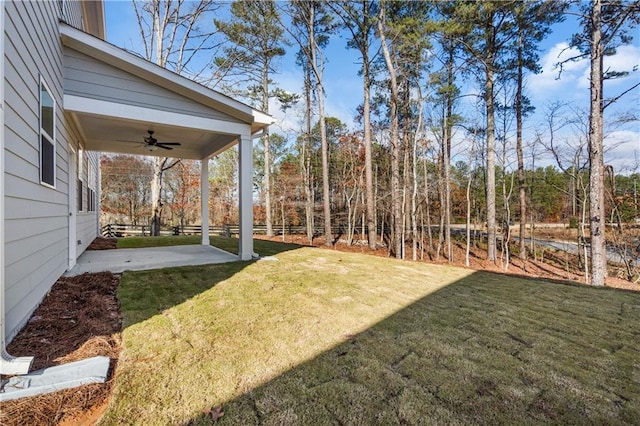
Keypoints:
(606, 104)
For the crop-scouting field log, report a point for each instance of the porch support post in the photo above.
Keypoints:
(204, 199)
(245, 185)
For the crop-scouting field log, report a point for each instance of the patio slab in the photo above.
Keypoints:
(139, 259)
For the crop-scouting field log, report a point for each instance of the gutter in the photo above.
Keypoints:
(8, 364)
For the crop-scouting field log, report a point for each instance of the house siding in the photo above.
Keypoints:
(36, 216)
(71, 11)
(122, 87)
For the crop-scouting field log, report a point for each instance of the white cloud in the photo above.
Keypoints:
(550, 80)
(622, 150)
(573, 83)
(627, 58)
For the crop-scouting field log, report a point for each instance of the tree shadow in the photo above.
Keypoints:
(486, 349)
(169, 287)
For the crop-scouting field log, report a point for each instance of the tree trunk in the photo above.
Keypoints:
(156, 192)
(491, 169)
(596, 160)
(397, 243)
(521, 180)
(448, 125)
(267, 153)
(468, 221)
(326, 201)
(414, 172)
(316, 65)
(427, 206)
(368, 155)
(305, 158)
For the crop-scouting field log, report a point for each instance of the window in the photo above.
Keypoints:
(80, 193)
(47, 136)
(91, 200)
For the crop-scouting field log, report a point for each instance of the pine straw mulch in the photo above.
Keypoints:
(102, 243)
(79, 318)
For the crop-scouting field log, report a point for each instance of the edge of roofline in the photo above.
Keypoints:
(115, 56)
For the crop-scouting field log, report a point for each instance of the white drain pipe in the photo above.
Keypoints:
(8, 364)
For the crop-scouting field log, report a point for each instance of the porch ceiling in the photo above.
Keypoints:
(117, 135)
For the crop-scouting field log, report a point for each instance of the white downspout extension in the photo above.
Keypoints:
(8, 364)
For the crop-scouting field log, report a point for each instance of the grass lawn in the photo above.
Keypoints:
(324, 337)
(230, 244)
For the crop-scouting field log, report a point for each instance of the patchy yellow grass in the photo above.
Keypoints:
(323, 337)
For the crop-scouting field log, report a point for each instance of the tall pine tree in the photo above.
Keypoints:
(256, 40)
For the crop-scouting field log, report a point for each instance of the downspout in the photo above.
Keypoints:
(8, 364)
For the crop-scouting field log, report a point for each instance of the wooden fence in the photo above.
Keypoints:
(118, 230)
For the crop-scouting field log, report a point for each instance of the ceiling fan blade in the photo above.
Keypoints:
(159, 145)
(169, 143)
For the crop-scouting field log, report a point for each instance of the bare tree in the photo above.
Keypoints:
(359, 19)
(314, 24)
(171, 38)
(605, 25)
(256, 40)
(397, 243)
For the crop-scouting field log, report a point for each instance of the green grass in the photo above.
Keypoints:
(321, 337)
(262, 247)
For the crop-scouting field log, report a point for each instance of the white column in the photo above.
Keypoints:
(245, 187)
(204, 199)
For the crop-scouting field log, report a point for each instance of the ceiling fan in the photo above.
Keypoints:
(151, 143)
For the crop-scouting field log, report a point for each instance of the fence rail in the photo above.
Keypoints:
(118, 230)
(128, 230)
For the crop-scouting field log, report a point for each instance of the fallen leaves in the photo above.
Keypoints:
(214, 413)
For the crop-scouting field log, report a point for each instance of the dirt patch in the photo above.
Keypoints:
(79, 318)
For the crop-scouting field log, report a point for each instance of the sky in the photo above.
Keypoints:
(343, 88)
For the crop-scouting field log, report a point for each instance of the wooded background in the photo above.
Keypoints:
(392, 174)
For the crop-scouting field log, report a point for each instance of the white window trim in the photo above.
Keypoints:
(41, 132)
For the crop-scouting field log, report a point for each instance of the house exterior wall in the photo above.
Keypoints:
(36, 216)
(86, 220)
(71, 12)
(122, 87)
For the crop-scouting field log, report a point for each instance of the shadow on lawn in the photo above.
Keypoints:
(161, 285)
(486, 349)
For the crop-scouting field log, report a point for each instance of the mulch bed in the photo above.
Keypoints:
(102, 243)
(79, 318)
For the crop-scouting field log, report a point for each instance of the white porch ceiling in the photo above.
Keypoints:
(115, 135)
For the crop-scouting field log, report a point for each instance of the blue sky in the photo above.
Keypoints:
(343, 86)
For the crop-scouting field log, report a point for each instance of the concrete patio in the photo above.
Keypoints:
(139, 259)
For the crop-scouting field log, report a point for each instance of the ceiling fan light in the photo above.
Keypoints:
(151, 148)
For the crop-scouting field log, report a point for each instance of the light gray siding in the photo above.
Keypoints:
(88, 77)
(36, 216)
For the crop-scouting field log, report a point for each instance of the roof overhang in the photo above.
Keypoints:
(112, 125)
